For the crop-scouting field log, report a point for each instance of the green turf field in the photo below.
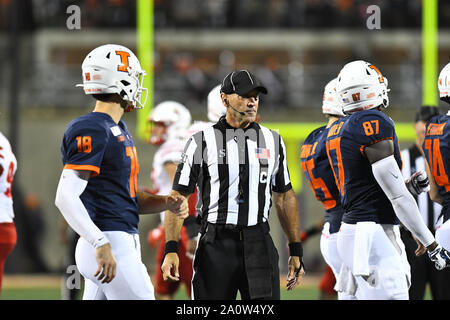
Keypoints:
(305, 293)
(309, 293)
(28, 287)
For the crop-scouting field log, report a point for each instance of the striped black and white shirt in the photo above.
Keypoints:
(235, 170)
(413, 161)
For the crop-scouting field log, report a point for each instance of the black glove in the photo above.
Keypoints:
(440, 257)
(418, 183)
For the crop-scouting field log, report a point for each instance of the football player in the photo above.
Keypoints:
(437, 152)
(169, 121)
(365, 156)
(8, 235)
(97, 192)
(215, 110)
(317, 170)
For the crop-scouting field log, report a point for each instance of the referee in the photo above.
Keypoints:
(236, 164)
(422, 269)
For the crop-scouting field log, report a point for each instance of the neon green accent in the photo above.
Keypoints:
(429, 52)
(295, 133)
(145, 32)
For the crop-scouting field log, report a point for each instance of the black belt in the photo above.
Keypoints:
(227, 231)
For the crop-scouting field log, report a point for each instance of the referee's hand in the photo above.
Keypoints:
(295, 272)
(169, 267)
(178, 205)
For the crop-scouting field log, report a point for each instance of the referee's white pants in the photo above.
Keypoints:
(131, 282)
(443, 234)
(376, 258)
(328, 248)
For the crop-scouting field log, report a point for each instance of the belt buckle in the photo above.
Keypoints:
(236, 230)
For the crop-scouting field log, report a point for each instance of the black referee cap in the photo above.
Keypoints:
(425, 113)
(241, 82)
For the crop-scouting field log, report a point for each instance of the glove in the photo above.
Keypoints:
(418, 183)
(440, 257)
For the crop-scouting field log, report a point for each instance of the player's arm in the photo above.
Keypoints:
(172, 227)
(389, 177)
(152, 203)
(71, 185)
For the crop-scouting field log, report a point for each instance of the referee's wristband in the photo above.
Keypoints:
(171, 246)
(296, 249)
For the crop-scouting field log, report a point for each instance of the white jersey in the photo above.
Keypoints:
(8, 166)
(169, 151)
(198, 126)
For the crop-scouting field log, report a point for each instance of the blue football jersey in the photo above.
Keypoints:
(317, 170)
(436, 147)
(361, 196)
(94, 142)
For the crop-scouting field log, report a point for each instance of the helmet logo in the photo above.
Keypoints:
(123, 60)
(87, 76)
(380, 78)
(356, 96)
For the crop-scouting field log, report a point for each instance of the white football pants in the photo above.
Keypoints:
(131, 282)
(328, 248)
(379, 251)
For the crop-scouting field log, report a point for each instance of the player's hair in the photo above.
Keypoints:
(111, 97)
(106, 97)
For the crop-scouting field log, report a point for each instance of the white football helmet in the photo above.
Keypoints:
(174, 116)
(444, 83)
(216, 109)
(112, 68)
(330, 104)
(361, 86)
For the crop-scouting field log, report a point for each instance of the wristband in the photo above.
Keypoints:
(171, 246)
(296, 249)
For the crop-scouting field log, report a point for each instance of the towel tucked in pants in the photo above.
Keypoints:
(229, 260)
